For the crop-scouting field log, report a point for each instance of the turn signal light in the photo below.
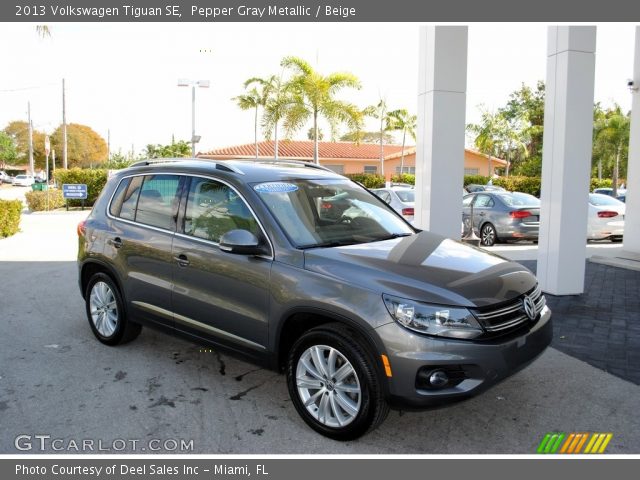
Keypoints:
(81, 228)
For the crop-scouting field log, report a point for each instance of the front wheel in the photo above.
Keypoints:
(333, 383)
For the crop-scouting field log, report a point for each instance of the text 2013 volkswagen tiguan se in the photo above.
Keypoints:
(305, 271)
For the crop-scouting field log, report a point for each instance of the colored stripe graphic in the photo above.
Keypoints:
(573, 443)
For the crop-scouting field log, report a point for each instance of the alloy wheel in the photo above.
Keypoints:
(103, 309)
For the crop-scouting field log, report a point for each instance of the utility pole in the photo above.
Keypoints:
(30, 138)
(64, 128)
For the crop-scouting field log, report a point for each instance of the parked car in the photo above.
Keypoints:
(23, 180)
(621, 193)
(401, 199)
(4, 178)
(606, 218)
(501, 215)
(473, 187)
(361, 312)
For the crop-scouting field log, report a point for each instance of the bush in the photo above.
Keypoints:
(530, 185)
(409, 178)
(475, 179)
(9, 217)
(94, 179)
(369, 180)
(37, 201)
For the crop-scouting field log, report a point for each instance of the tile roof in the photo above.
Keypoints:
(303, 150)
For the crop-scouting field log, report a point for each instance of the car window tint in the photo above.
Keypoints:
(118, 197)
(158, 201)
(600, 200)
(466, 201)
(213, 209)
(384, 195)
(130, 199)
(406, 196)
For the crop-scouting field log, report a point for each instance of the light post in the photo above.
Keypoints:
(184, 82)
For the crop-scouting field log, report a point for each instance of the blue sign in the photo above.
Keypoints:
(74, 190)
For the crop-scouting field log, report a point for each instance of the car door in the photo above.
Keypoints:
(482, 210)
(144, 209)
(466, 213)
(220, 296)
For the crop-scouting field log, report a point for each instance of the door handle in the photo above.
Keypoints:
(182, 260)
(116, 242)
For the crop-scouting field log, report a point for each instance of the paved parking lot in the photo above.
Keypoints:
(56, 379)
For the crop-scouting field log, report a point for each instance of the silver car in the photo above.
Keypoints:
(501, 215)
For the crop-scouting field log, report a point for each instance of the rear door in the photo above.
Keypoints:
(217, 295)
(144, 209)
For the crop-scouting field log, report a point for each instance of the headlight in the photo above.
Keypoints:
(453, 322)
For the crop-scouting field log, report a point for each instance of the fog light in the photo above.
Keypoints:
(438, 379)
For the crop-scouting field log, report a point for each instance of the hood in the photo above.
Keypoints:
(425, 267)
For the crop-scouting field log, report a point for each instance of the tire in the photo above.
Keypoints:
(488, 235)
(110, 323)
(355, 403)
(616, 240)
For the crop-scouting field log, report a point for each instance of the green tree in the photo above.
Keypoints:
(311, 134)
(179, 149)
(527, 106)
(85, 147)
(361, 136)
(8, 150)
(488, 134)
(18, 130)
(381, 113)
(514, 140)
(612, 140)
(254, 99)
(400, 120)
(314, 95)
(278, 102)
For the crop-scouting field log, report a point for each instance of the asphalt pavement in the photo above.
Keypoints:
(56, 380)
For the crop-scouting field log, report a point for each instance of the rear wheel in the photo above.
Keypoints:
(488, 235)
(106, 313)
(333, 384)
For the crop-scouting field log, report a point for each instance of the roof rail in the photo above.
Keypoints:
(293, 162)
(217, 165)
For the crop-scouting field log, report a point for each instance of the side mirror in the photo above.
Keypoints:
(241, 242)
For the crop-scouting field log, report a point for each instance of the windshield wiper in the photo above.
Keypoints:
(392, 236)
(333, 243)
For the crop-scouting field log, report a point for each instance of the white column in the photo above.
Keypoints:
(632, 216)
(566, 158)
(441, 129)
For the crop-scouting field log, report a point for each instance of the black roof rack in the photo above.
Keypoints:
(291, 162)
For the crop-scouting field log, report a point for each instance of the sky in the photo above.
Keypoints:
(122, 77)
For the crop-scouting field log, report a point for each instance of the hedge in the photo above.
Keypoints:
(94, 179)
(9, 217)
(37, 201)
(369, 180)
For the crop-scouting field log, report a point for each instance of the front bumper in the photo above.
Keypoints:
(484, 362)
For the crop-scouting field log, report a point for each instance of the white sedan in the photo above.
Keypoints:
(23, 181)
(606, 218)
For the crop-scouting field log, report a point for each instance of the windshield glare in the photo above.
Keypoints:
(600, 200)
(317, 213)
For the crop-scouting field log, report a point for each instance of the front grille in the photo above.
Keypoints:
(512, 314)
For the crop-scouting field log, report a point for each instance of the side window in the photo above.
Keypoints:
(158, 203)
(466, 201)
(118, 197)
(130, 199)
(384, 195)
(213, 209)
(484, 201)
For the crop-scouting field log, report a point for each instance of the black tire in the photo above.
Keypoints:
(125, 330)
(373, 406)
(616, 240)
(488, 235)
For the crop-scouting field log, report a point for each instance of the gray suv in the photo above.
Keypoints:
(304, 271)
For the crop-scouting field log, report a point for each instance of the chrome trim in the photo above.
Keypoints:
(175, 232)
(199, 325)
(156, 161)
(485, 319)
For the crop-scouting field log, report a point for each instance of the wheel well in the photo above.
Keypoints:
(299, 323)
(89, 270)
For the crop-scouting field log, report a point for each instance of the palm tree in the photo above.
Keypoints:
(379, 112)
(488, 134)
(314, 95)
(514, 140)
(276, 107)
(255, 98)
(43, 30)
(614, 138)
(400, 120)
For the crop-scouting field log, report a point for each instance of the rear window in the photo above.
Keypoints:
(600, 200)
(406, 196)
(519, 199)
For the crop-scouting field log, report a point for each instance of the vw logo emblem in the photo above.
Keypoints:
(529, 307)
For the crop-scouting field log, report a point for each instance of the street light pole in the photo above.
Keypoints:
(183, 82)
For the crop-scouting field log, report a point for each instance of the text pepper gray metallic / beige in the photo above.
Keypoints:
(304, 271)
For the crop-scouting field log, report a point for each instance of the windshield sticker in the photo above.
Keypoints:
(275, 187)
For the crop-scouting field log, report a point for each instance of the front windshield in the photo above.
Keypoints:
(322, 213)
